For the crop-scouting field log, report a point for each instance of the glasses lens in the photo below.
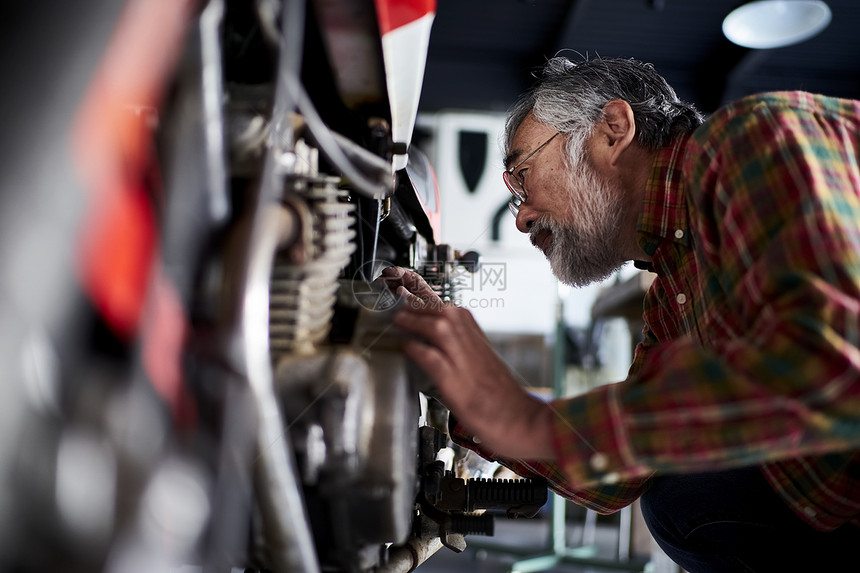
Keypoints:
(516, 189)
(515, 186)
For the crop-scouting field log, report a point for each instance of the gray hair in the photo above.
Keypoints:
(569, 97)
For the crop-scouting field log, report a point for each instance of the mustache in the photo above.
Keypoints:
(538, 226)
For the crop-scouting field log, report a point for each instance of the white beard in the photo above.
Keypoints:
(587, 248)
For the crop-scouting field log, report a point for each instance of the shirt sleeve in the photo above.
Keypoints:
(777, 215)
(604, 499)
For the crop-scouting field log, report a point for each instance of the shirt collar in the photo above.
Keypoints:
(664, 213)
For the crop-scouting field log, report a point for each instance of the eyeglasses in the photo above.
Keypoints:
(515, 182)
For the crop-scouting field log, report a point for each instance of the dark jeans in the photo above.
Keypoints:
(733, 521)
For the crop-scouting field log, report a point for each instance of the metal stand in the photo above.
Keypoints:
(559, 552)
(584, 555)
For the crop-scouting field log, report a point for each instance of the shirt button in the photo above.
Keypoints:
(610, 478)
(679, 233)
(809, 511)
(476, 440)
(599, 462)
(681, 298)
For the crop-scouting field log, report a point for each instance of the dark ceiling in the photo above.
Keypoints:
(482, 52)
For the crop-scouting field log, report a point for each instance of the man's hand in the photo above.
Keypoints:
(474, 382)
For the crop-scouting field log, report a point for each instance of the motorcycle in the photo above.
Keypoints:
(226, 389)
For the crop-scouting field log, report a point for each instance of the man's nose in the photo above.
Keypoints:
(525, 219)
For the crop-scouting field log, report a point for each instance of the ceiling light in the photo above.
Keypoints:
(776, 23)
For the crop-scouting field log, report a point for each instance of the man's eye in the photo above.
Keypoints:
(522, 173)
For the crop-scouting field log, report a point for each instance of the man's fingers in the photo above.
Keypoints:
(430, 359)
(418, 321)
(412, 301)
(442, 330)
(413, 282)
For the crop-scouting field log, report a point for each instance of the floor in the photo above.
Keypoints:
(516, 540)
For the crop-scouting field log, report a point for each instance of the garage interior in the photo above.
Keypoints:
(481, 56)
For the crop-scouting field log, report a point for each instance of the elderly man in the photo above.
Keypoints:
(739, 422)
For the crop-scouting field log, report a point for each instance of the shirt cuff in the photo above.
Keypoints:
(464, 438)
(590, 441)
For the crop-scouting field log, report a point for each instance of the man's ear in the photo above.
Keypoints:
(618, 128)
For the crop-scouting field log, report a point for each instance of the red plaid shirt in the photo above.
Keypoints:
(751, 351)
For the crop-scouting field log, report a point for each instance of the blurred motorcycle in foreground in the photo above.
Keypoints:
(223, 387)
